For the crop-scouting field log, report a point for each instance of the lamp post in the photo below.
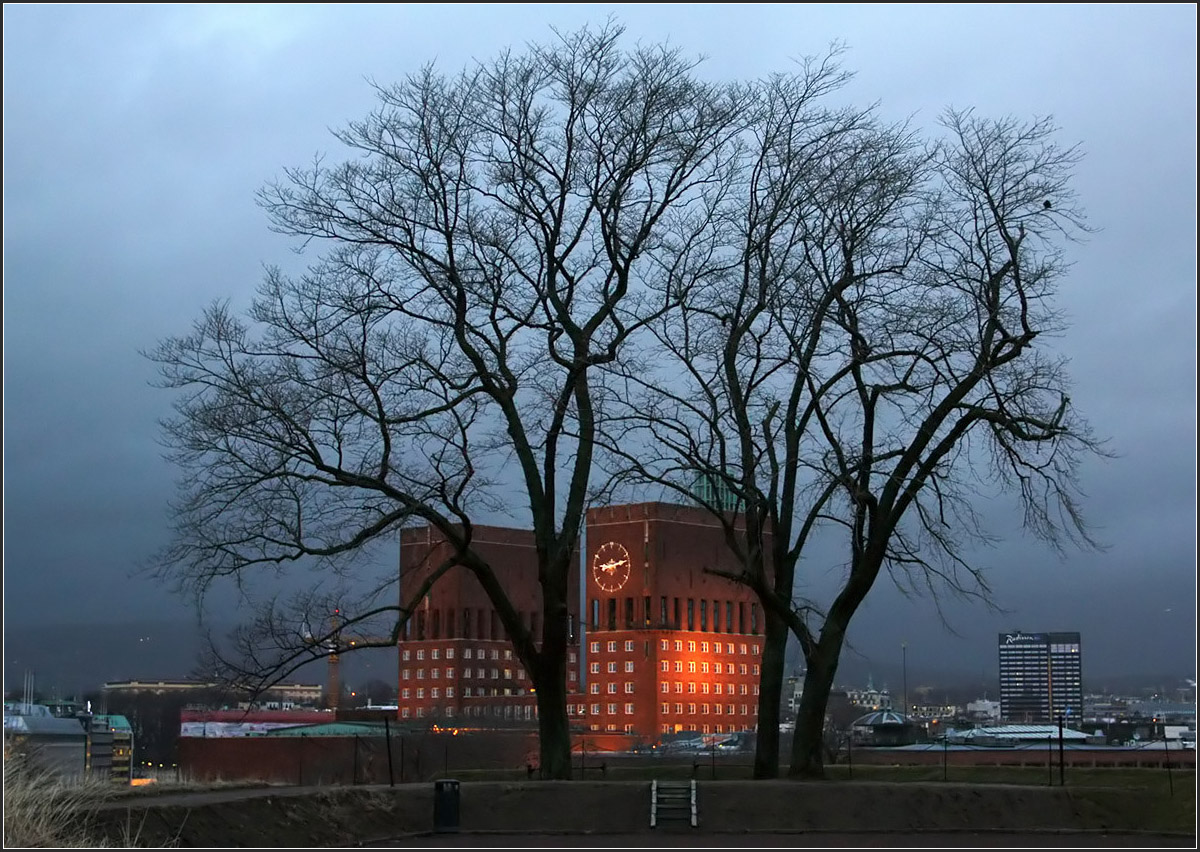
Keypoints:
(904, 663)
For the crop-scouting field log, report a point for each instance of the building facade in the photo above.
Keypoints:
(1041, 677)
(662, 646)
(670, 646)
(457, 665)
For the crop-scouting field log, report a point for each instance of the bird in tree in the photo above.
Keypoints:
(1046, 204)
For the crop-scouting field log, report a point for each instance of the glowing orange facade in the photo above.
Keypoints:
(669, 647)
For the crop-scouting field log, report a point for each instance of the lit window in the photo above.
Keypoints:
(508, 654)
(571, 657)
(508, 674)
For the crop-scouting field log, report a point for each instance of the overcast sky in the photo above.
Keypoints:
(136, 136)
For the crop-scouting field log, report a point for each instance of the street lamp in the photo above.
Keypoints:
(904, 663)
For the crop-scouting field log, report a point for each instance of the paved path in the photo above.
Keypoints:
(761, 840)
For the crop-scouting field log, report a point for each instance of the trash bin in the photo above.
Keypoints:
(445, 805)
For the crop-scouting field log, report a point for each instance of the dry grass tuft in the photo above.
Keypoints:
(45, 810)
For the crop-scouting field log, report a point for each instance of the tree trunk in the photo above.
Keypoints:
(554, 731)
(807, 746)
(766, 750)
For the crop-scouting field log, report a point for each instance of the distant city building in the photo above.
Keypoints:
(984, 710)
(870, 698)
(1040, 677)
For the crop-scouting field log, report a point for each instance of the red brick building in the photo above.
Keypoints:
(457, 665)
(668, 647)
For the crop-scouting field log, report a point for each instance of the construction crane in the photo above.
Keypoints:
(335, 645)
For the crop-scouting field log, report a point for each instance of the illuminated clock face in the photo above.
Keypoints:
(610, 566)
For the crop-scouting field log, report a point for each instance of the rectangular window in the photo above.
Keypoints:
(662, 611)
(728, 616)
(595, 614)
(717, 688)
(594, 668)
(594, 647)
(628, 709)
(754, 670)
(691, 666)
(404, 674)
(420, 655)
(646, 611)
(678, 709)
(612, 667)
(628, 666)
(717, 710)
(466, 692)
(495, 654)
(718, 668)
(754, 618)
(664, 666)
(704, 668)
(612, 709)
(691, 647)
(675, 616)
(728, 647)
(404, 713)
(691, 611)
(704, 687)
(594, 688)
(466, 653)
(628, 644)
(664, 708)
(508, 654)
(663, 645)
(703, 614)
(435, 653)
(679, 686)
(716, 616)
(449, 672)
(729, 708)
(612, 689)
(692, 709)
(754, 650)
(612, 613)
(678, 645)
(435, 673)
(679, 665)
(611, 647)
(665, 686)
(420, 674)
(495, 674)
(435, 693)
(704, 647)
(420, 693)
(404, 655)
(628, 613)
(404, 693)
(704, 711)
(629, 687)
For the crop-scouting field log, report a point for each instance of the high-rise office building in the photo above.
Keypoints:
(1040, 677)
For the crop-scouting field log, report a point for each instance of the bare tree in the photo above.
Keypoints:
(486, 252)
(867, 358)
